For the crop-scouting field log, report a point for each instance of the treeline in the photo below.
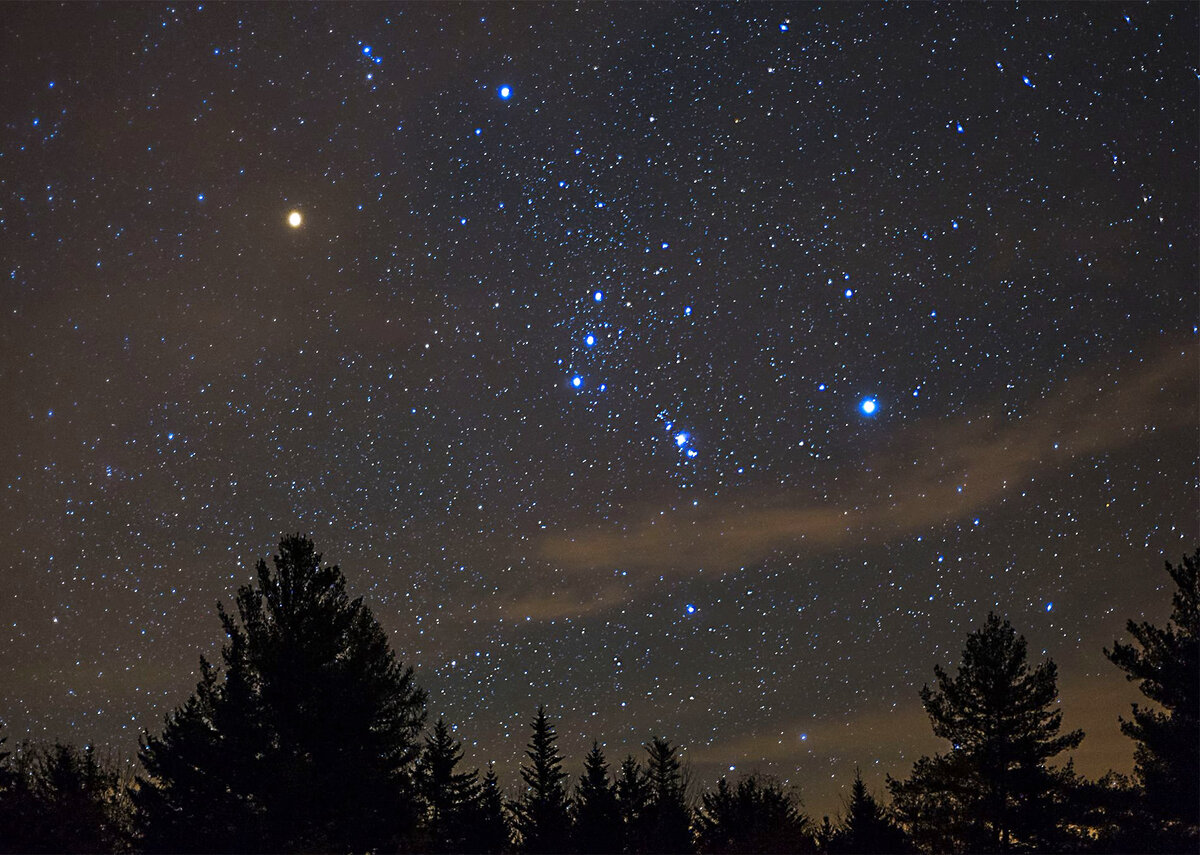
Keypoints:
(312, 736)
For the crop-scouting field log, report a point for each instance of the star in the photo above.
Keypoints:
(868, 406)
(294, 219)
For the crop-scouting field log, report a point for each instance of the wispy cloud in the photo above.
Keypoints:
(934, 472)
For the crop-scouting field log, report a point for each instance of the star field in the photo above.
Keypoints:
(706, 372)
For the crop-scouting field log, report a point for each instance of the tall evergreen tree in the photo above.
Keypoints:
(596, 825)
(307, 738)
(447, 794)
(541, 812)
(1166, 665)
(866, 827)
(633, 801)
(669, 820)
(487, 829)
(755, 815)
(994, 790)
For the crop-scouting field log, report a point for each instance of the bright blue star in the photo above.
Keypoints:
(681, 439)
(1049, 606)
(868, 406)
(848, 293)
(366, 49)
(589, 339)
(576, 381)
(690, 609)
(783, 28)
(687, 311)
(598, 296)
(505, 93)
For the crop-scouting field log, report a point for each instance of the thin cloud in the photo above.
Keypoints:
(936, 472)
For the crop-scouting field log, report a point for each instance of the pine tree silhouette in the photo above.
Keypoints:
(447, 795)
(541, 812)
(866, 827)
(994, 790)
(597, 825)
(1166, 664)
(487, 824)
(668, 818)
(633, 801)
(307, 739)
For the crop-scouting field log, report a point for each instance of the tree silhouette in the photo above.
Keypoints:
(596, 826)
(541, 812)
(58, 798)
(1166, 662)
(487, 828)
(755, 815)
(447, 795)
(633, 801)
(668, 820)
(866, 827)
(305, 741)
(993, 791)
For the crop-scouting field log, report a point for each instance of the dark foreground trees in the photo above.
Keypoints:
(59, 798)
(540, 814)
(306, 738)
(1166, 665)
(596, 822)
(994, 791)
(448, 795)
(867, 826)
(753, 815)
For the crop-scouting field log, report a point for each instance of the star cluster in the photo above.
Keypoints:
(698, 371)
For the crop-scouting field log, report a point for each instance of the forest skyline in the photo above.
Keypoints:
(309, 734)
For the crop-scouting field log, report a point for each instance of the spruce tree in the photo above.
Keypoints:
(1166, 665)
(596, 825)
(633, 800)
(668, 818)
(446, 794)
(993, 791)
(866, 827)
(541, 812)
(304, 741)
(487, 829)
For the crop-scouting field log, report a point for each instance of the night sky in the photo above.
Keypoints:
(697, 371)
